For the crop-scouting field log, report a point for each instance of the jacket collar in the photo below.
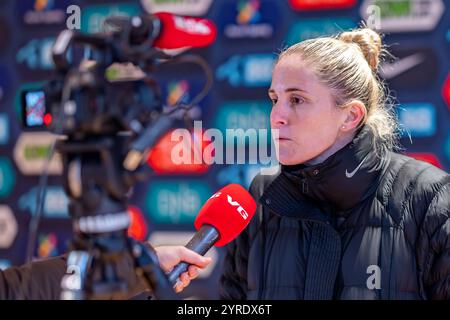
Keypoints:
(340, 182)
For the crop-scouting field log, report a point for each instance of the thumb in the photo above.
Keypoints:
(192, 257)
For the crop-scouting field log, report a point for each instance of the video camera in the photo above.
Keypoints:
(107, 106)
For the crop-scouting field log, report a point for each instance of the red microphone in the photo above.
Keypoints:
(180, 32)
(221, 219)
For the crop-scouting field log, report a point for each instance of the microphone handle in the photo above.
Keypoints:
(200, 243)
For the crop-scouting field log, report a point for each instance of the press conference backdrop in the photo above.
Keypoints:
(251, 32)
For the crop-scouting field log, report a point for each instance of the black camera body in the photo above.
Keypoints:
(102, 94)
(94, 105)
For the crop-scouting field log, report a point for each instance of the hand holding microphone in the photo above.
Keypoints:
(170, 256)
(221, 219)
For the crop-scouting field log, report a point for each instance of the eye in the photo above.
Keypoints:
(274, 100)
(297, 100)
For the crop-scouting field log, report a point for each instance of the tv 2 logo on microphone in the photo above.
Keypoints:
(239, 209)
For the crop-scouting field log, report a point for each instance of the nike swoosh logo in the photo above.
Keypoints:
(392, 70)
(351, 174)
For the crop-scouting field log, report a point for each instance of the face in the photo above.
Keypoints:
(304, 111)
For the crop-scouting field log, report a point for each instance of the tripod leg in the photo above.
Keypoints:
(147, 266)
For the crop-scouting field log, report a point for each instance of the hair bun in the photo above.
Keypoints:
(368, 41)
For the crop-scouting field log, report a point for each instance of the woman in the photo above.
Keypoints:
(346, 218)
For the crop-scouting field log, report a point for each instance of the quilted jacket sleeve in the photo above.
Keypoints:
(434, 247)
(40, 280)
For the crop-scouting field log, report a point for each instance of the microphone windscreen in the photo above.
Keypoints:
(229, 211)
(180, 32)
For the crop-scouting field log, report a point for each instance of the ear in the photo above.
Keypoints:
(355, 112)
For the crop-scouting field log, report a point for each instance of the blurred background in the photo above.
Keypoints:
(250, 34)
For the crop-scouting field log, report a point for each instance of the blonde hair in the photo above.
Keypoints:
(348, 64)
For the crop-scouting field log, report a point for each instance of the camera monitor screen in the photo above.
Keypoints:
(34, 108)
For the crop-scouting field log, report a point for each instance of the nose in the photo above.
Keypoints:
(278, 116)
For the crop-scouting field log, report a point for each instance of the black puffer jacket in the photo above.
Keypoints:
(356, 226)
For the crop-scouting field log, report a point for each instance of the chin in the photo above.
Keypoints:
(288, 161)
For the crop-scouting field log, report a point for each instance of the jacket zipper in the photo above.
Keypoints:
(304, 185)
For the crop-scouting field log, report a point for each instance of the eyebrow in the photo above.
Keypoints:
(288, 90)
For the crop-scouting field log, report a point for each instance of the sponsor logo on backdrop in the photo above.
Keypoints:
(174, 238)
(249, 19)
(417, 119)
(243, 115)
(4, 128)
(138, 228)
(55, 202)
(181, 7)
(161, 161)
(231, 145)
(321, 4)
(43, 12)
(93, 17)
(48, 245)
(240, 134)
(177, 92)
(36, 54)
(413, 67)
(251, 70)
(396, 68)
(446, 91)
(245, 128)
(31, 152)
(405, 15)
(312, 28)
(175, 202)
(4, 264)
(427, 157)
(181, 92)
(7, 177)
(8, 227)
